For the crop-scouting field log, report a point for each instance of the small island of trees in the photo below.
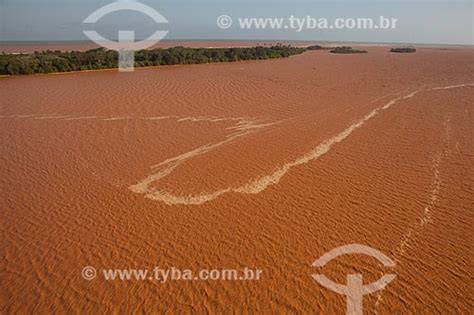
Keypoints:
(403, 50)
(347, 50)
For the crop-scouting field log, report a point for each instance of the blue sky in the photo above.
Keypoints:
(422, 21)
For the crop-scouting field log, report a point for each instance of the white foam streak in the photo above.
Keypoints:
(259, 184)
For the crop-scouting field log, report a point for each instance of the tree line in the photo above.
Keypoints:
(100, 58)
(347, 50)
(403, 50)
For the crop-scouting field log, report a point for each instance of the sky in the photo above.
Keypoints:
(422, 21)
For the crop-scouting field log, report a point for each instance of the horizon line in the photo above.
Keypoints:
(246, 40)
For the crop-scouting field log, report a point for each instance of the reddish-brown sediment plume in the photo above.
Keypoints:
(262, 164)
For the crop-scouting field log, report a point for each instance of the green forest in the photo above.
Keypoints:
(100, 58)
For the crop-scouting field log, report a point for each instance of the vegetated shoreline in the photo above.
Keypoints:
(283, 51)
(4, 76)
(49, 62)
